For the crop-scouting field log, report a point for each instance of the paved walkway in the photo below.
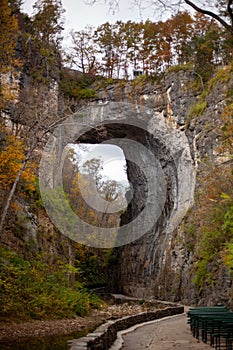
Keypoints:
(165, 334)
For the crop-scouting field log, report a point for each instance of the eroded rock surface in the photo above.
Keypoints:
(164, 146)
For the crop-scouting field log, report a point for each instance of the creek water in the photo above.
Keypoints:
(43, 343)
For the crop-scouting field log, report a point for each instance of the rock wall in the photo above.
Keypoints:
(105, 335)
(141, 262)
(158, 264)
(152, 260)
(148, 122)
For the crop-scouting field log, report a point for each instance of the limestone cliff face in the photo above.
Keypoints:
(28, 230)
(140, 263)
(177, 129)
(158, 263)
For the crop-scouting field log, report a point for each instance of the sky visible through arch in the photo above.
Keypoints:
(114, 163)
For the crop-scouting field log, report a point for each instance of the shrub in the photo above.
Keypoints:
(212, 221)
(36, 290)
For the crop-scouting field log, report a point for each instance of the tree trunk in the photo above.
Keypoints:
(12, 191)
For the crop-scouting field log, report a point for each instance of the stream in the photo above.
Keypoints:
(44, 343)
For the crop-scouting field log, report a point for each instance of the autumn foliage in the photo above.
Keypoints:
(8, 36)
(12, 154)
(9, 63)
(113, 50)
(209, 234)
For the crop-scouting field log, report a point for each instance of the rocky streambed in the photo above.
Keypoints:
(54, 334)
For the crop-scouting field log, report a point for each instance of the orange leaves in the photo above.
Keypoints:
(8, 61)
(217, 188)
(11, 158)
(8, 34)
(152, 46)
(80, 191)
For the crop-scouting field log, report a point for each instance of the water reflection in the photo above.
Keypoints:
(44, 343)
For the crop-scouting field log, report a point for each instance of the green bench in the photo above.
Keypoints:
(215, 324)
(194, 316)
(221, 331)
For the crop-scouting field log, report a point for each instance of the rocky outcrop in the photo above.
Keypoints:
(161, 168)
(141, 263)
(157, 263)
(164, 143)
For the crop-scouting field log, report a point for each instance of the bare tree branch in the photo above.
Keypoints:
(230, 10)
(212, 14)
(163, 5)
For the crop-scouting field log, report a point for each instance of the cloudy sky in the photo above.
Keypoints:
(112, 157)
(78, 14)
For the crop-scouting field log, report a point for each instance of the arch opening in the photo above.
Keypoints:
(95, 180)
(137, 192)
(158, 168)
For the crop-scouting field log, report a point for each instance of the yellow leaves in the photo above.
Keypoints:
(227, 256)
(81, 251)
(80, 191)
(8, 35)
(12, 155)
(15, 206)
(9, 84)
(225, 196)
(78, 183)
(227, 130)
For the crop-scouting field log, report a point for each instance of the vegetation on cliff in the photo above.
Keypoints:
(112, 50)
(210, 229)
(209, 232)
(33, 283)
(32, 78)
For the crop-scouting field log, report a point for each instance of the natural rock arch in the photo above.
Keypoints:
(159, 135)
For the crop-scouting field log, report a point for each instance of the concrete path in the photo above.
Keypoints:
(165, 334)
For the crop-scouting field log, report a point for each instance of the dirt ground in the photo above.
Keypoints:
(164, 334)
(11, 332)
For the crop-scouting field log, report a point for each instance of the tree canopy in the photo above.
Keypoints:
(221, 11)
(113, 50)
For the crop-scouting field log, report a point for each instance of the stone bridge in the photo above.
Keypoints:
(161, 167)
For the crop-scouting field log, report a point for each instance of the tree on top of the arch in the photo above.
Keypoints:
(221, 11)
